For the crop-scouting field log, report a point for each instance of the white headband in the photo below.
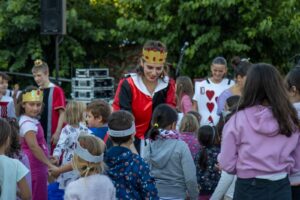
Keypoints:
(122, 133)
(86, 155)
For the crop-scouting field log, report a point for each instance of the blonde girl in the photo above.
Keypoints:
(188, 128)
(88, 161)
(66, 145)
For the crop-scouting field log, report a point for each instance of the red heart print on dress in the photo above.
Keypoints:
(210, 119)
(210, 106)
(210, 94)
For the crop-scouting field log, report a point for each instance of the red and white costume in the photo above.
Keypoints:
(206, 95)
(54, 99)
(132, 95)
(7, 107)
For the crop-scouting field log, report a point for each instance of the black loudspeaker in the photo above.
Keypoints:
(53, 17)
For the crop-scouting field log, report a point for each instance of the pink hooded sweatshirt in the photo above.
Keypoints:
(252, 145)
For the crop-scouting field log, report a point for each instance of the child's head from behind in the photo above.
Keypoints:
(163, 117)
(293, 84)
(184, 85)
(75, 112)
(196, 114)
(207, 135)
(189, 123)
(232, 102)
(88, 155)
(5, 133)
(263, 84)
(241, 72)
(121, 127)
(98, 112)
(30, 102)
(14, 148)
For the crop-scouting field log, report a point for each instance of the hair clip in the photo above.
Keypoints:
(155, 125)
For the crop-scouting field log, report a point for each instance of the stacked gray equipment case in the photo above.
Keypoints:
(91, 84)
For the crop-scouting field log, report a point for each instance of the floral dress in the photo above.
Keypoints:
(208, 178)
(130, 175)
(65, 147)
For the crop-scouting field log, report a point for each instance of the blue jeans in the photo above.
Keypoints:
(296, 192)
(262, 189)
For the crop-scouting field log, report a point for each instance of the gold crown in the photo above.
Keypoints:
(153, 56)
(38, 62)
(33, 95)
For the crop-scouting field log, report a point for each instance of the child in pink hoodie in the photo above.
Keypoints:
(261, 141)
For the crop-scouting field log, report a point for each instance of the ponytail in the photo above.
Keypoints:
(153, 132)
(203, 159)
(163, 116)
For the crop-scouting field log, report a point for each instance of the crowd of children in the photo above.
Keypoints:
(224, 140)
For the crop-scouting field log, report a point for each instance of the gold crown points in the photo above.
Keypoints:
(154, 56)
(32, 96)
(38, 62)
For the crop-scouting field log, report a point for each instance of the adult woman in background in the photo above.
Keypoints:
(139, 93)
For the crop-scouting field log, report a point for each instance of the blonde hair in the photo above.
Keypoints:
(74, 112)
(189, 123)
(40, 65)
(96, 147)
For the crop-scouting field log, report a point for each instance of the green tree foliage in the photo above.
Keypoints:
(110, 32)
(262, 30)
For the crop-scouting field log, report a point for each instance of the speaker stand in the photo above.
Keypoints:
(58, 40)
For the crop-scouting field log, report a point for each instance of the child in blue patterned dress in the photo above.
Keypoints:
(208, 174)
(128, 171)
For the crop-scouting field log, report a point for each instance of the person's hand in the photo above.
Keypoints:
(54, 171)
(54, 160)
(55, 138)
(217, 166)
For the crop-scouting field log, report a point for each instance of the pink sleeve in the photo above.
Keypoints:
(296, 155)
(229, 147)
(186, 104)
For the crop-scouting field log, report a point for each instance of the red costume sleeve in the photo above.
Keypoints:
(171, 99)
(59, 100)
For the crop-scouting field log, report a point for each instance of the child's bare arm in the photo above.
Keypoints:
(24, 192)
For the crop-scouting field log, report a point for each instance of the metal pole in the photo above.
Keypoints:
(56, 58)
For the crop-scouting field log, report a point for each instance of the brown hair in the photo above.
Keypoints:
(5, 131)
(184, 85)
(96, 147)
(265, 84)
(4, 76)
(19, 108)
(153, 45)
(15, 148)
(120, 120)
(99, 108)
(40, 65)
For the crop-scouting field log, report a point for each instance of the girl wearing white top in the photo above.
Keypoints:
(88, 160)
